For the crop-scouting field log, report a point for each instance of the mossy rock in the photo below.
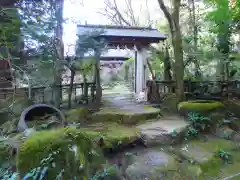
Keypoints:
(68, 148)
(201, 106)
(124, 117)
(114, 135)
(77, 115)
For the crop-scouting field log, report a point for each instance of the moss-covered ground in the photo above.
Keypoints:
(199, 160)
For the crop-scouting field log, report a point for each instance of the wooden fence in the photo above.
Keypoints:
(45, 94)
(225, 88)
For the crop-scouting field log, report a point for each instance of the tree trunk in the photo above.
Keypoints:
(97, 78)
(167, 66)
(192, 12)
(173, 20)
(59, 53)
(71, 88)
(85, 88)
(151, 70)
(153, 94)
(179, 64)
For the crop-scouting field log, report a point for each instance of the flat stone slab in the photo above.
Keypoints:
(150, 165)
(160, 132)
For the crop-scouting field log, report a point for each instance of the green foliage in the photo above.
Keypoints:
(198, 124)
(108, 173)
(198, 121)
(224, 156)
(7, 175)
(192, 132)
(89, 42)
(174, 133)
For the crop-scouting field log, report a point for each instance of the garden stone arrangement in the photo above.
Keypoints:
(124, 140)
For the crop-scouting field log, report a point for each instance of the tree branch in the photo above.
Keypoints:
(120, 15)
(166, 13)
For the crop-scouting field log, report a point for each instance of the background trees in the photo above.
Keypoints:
(204, 38)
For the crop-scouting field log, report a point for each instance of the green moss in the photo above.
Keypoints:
(231, 169)
(4, 153)
(200, 105)
(212, 165)
(56, 144)
(215, 166)
(77, 115)
(114, 135)
(125, 117)
(202, 152)
(214, 145)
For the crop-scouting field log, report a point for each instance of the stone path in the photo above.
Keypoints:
(126, 103)
(152, 132)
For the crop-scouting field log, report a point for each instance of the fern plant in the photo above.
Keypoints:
(224, 156)
(198, 123)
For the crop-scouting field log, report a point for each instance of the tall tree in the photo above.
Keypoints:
(222, 22)
(59, 52)
(174, 24)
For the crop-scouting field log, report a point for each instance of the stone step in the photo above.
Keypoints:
(127, 114)
(161, 131)
(151, 164)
